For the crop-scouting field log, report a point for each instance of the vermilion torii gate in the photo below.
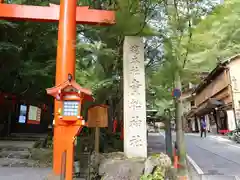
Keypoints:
(68, 15)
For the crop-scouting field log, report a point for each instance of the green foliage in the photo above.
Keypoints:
(147, 177)
(28, 50)
(31, 47)
(183, 42)
(217, 36)
(158, 174)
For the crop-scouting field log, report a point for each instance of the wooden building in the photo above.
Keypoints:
(19, 116)
(217, 97)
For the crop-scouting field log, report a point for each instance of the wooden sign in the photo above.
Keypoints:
(98, 116)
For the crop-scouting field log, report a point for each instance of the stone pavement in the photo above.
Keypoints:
(17, 144)
(23, 173)
(26, 173)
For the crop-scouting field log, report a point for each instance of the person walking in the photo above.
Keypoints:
(203, 127)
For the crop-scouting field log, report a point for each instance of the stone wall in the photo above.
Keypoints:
(116, 166)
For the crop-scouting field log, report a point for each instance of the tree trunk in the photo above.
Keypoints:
(110, 115)
(168, 135)
(121, 100)
(179, 130)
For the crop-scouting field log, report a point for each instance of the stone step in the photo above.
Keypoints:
(23, 139)
(15, 162)
(20, 138)
(28, 135)
(25, 154)
(13, 148)
(16, 145)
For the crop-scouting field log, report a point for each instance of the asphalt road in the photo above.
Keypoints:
(213, 157)
(156, 143)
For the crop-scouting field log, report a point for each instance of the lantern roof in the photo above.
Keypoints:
(70, 86)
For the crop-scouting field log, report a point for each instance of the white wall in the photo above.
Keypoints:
(199, 124)
(231, 120)
(234, 72)
(207, 122)
(193, 125)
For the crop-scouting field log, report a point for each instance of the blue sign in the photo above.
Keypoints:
(176, 93)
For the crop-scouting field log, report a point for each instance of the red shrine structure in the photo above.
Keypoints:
(67, 92)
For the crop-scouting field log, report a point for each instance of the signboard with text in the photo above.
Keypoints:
(98, 116)
(34, 115)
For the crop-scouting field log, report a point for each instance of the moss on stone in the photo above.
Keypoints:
(157, 155)
(157, 167)
(158, 174)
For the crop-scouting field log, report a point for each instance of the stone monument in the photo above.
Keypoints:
(135, 130)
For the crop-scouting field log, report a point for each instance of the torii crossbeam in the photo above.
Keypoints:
(84, 15)
(68, 15)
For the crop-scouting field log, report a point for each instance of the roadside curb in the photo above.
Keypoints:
(190, 161)
(194, 165)
(237, 178)
(192, 171)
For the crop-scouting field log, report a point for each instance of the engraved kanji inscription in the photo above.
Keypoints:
(134, 70)
(134, 59)
(134, 104)
(135, 121)
(134, 49)
(136, 141)
(135, 85)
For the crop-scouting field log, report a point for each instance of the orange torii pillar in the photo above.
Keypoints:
(68, 15)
